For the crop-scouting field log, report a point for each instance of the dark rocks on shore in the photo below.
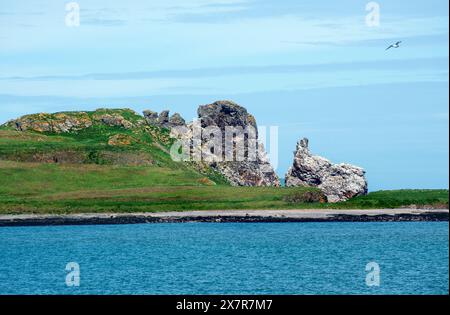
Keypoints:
(137, 219)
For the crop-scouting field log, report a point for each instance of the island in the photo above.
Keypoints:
(116, 166)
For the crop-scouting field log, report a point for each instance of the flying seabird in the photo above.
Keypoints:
(396, 45)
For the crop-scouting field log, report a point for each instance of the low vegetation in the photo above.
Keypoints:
(57, 188)
(411, 198)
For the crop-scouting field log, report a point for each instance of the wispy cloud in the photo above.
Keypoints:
(407, 41)
(103, 22)
(392, 64)
(104, 16)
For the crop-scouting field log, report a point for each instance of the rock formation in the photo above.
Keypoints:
(151, 117)
(339, 182)
(254, 169)
(176, 120)
(163, 120)
(113, 120)
(225, 113)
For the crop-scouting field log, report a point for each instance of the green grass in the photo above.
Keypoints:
(90, 146)
(53, 188)
(435, 198)
(16, 145)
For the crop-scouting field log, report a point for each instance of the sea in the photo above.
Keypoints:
(227, 258)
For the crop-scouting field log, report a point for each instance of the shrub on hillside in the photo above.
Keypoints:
(309, 196)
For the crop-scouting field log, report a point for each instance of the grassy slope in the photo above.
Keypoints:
(27, 187)
(150, 143)
(52, 188)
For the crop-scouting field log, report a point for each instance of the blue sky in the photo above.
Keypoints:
(313, 68)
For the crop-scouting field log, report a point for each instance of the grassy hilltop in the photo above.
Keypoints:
(117, 163)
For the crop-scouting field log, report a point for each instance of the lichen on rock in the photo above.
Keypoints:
(58, 123)
(75, 121)
(113, 120)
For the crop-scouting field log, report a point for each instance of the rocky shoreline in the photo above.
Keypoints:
(240, 216)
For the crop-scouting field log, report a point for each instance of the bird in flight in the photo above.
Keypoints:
(396, 45)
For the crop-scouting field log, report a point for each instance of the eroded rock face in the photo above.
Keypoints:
(176, 120)
(339, 182)
(151, 117)
(225, 113)
(163, 118)
(254, 169)
(248, 173)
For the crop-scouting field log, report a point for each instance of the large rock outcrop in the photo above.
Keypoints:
(339, 182)
(254, 169)
(223, 114)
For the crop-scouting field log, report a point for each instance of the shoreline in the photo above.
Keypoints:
(224, 216)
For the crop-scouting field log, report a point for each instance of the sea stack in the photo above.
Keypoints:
(339, 182)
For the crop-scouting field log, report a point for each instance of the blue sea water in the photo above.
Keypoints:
(227, 258)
